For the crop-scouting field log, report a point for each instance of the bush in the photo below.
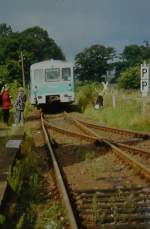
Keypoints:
(2, 219)
(87, 94)
(130, 78)
(13, 88)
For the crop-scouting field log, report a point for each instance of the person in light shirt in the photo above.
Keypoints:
(20, 105)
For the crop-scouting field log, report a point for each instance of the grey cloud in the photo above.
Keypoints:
(76, 24)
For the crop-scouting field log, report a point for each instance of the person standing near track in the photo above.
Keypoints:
(0, 92)
(20, 105)
(99, 101)
(6, 103)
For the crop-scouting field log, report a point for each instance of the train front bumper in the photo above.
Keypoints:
(68, 97)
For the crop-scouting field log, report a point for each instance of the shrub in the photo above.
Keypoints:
(13, 88)
(130, 78)
(87, 94)
(2, 219)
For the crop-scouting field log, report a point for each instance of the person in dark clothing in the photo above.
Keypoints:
(1, 84)
(20, 105)
(6, 103)
(99, 101)
(0, 92)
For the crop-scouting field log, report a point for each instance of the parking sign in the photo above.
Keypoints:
(144, 79)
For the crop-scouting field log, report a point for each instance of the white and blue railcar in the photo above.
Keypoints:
(51, 80)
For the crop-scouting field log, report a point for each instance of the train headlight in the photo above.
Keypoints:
(69, 87)
(35, 89)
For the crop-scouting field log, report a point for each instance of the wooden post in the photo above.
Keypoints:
(23, 76)
(113, 101)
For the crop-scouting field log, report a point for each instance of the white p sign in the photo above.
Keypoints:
(144, 79)
(144, 85)
(144, 72)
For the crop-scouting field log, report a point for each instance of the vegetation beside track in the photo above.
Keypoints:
(27, 204)
(130, 110)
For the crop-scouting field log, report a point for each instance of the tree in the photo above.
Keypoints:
(5, 30)
(3, 73)
(135, 54)
(130, 78)
(119, 66)
(132, 55)
(37, 41)
(36, 46)
(92, 63)
(14, 71)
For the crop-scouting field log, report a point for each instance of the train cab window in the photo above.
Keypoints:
(52, 74)
(66, 74)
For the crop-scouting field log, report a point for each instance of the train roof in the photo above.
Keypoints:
(51, 62)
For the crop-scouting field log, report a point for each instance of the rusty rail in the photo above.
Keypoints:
(91, 135)
(125, 156)
(70, 133)
(62, 188)
(134, 149)
(137, 134)
(143, 170)
(85, 199)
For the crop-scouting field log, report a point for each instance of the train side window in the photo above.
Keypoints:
(52, 74)
(38, 75)
(66, 74)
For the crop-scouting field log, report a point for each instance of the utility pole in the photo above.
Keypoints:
(22, 66)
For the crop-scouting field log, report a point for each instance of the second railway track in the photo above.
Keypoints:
(106, 190)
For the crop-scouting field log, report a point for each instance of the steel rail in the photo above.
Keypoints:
(137, 134)
(143, 170)
(84, 128)
(134, 149)
(57, 116)
(61, 185)
(115, 130)
(92, 133)
(69, 133)
(81, 126)
(123, 155)
(84, 212)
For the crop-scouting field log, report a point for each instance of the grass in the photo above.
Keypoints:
(131, 111)
(2, 219)
(51, 216)
(86, 154)
(23, 182)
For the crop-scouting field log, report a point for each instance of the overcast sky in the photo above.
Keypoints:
(78, 24)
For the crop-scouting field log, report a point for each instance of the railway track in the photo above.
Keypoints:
(138, 155)
(60, 182)
(113, 208)
(108, 133)
(132, 155)
(110, 189)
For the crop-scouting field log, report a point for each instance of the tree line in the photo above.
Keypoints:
(91, 64)
(34, 43)
(97, 62)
